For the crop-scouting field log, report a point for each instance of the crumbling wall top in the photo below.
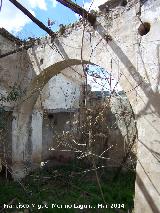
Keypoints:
(113, 4)
(9, 36)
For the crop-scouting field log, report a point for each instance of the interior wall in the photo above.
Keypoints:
(54, 123)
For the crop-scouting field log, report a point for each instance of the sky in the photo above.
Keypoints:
(101, 80)
(20, 25)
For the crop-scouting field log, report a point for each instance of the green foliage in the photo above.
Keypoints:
(94, 12)
(15, 93)
(69, 185)
(62, 29)
(2, 118)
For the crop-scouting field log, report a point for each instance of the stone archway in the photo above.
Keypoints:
(21, 125)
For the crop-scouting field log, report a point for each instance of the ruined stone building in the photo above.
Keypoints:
(59, 101)
(48, 71)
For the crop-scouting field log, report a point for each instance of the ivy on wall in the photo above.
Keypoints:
(15, 94)
(3, 120)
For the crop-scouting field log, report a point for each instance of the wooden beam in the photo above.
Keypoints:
(35, 20)
(79, 10)
(71, 5)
